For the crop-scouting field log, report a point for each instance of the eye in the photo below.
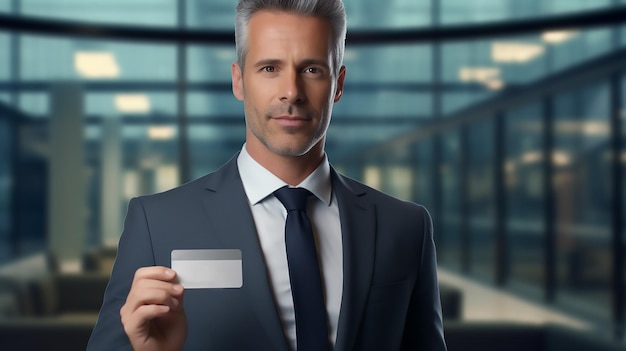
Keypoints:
(313, 70)
(269, 69)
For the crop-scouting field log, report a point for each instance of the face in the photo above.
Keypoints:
(287, 84)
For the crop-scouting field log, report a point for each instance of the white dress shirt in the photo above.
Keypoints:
(269, 217)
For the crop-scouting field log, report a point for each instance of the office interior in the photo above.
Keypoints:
(504, 118)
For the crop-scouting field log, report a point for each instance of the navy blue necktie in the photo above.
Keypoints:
(304, 272)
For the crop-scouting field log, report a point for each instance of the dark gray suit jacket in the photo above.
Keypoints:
(390, 294)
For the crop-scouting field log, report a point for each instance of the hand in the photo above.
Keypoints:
(153, 315)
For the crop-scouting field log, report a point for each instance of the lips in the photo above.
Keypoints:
(291, 121)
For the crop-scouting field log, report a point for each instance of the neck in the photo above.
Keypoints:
(290, 169)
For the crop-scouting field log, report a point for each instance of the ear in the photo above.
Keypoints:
(237, 77)
(339, 88)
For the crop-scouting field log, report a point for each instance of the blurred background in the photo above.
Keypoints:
(504, 118)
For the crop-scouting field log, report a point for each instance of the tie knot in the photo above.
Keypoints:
(293, 198)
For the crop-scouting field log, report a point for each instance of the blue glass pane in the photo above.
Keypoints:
(361, 105)
(6, 193)
(476, 11)
(46, 58)
(34, 104)
(211, 14)
(214, 104)
(582, 198)
(5, 57)
(135, 12)
(140, 103)
(481, 197)
(525, 194)
(210, 63)
(382, 64)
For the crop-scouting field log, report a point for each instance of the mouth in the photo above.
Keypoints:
(291, 120)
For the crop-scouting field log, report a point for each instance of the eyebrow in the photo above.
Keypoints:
(307, 62)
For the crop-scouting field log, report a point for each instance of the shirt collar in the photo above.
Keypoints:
(259, 183)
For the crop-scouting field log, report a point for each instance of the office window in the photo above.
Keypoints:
(6, 192)
(424, 173)
(34, 104)
(215, 107)
(5, 57)
(623, 152)
(139, 106)
(365, 104)
(97, 61)
(374, 14)
(583, 191)
(459, 11)
(579, 46)
(135, 12)
(211, 14)
(450, 216)
(525, 196)
(389, 64)
(211, 64)
(481, 196)
(453, 102)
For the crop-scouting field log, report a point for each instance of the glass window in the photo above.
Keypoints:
(424, 173)
(6, 193)
(5, 57)
(450, 217)
(583, 191)
(453, 102)
(34, 104)
(210, 64)
(144, 104)
(394, 64)
(215, 104)
(364, 104)
(390, 14)
(46, 58)
(212, 145)
(525, 196)
(481, 197)
(459, 11)
(135, 12)
(578, 46)
(623, 156)
(211, 14)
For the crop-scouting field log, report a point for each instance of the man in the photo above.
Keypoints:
(377, 266)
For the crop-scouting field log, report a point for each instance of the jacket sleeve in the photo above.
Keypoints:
(424, 328)
(134, 251)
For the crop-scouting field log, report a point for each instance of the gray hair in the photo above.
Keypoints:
(333, 10)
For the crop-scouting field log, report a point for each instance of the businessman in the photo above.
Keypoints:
(325, 262)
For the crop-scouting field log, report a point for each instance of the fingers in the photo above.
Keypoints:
(155, 299)
(154, 285)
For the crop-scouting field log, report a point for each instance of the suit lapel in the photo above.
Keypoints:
(231, 219)
(358, 223)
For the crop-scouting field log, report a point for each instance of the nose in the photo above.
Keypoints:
(291, 87)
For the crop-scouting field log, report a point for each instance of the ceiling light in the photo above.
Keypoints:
(161, 132)
(515, 52)
(561, 158)
(557, 36)
(494, 84)
(478, 74)
(96, 64)
(132, 103)
(531, 157)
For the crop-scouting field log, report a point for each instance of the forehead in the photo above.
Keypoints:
(276, 33)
